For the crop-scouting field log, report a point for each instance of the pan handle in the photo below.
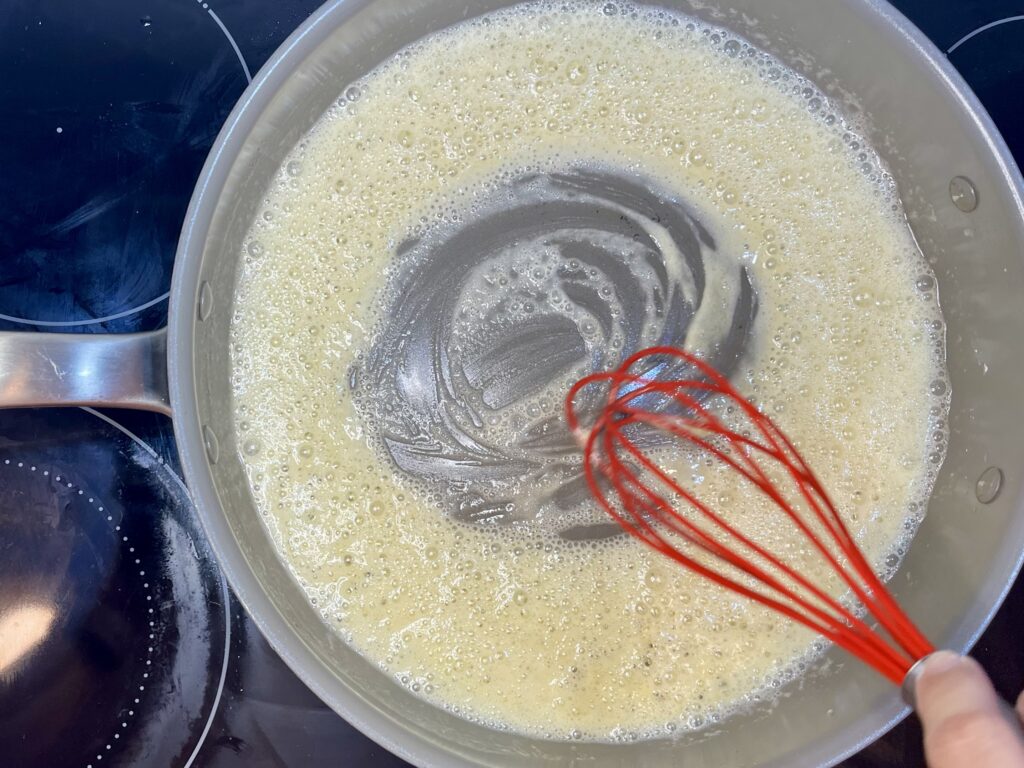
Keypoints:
(53, 369)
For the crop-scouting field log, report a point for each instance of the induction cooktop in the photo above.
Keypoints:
(121, 644)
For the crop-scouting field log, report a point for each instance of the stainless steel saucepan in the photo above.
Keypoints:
(962, 193)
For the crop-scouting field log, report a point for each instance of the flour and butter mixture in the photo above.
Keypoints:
(498, 210)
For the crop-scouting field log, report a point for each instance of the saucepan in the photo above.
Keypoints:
(963, 197)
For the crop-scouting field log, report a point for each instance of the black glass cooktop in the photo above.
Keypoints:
(120, 642)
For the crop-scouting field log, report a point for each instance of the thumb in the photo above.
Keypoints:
(960, 712)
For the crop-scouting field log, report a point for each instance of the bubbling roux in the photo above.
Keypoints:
(498, 210)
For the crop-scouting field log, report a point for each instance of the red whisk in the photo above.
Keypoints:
(663, 394)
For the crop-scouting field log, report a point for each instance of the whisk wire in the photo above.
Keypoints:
(646, 514)
(863, 641)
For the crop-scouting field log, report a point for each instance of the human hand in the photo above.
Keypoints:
(964, 725)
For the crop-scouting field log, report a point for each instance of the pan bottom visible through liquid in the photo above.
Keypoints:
(499, 210)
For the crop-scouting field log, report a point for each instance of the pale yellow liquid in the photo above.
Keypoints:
(518, 629)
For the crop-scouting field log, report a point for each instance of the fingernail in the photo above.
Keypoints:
(940, 662)
(934, 667)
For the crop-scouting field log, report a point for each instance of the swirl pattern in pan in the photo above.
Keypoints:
(490, 315)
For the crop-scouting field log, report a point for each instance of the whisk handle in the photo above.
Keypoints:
(909, 693)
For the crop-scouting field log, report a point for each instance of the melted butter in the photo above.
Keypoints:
(515, 627)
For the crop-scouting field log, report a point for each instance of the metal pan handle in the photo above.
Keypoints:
(60, 369)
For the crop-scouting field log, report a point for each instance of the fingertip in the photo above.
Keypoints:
(945, 680)
(960, 712)
(941, 662)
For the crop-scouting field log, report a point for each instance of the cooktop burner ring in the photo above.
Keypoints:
(133, 617)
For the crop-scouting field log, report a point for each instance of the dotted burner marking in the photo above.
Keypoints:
(224, 602)
(141, 574)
